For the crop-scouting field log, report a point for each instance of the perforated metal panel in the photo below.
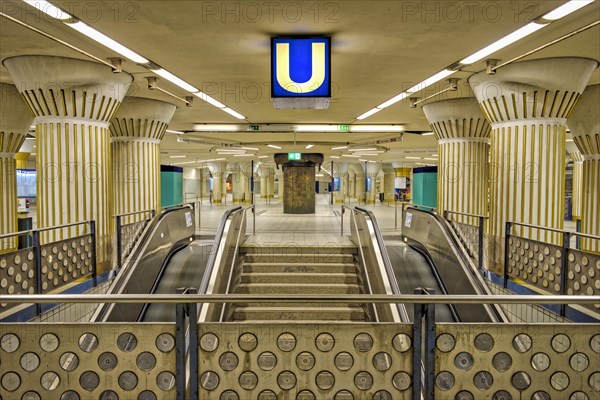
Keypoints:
(129, 236)
(66, 261)
(506, 362)
(83, 361)
(305, 361)
(469, 237)
(17, 274)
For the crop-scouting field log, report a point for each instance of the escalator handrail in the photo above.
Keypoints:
(461, 252)
(215, 249)
(386, 258)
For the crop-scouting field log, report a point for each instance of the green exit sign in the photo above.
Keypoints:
(254, 127)
(344, 128)
(295, 156)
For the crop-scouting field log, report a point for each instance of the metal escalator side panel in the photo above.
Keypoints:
(457, 274)
(140, 271)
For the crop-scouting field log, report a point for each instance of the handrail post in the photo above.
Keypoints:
(253, 219)
(424, 323)
(119, 242)
(564, 270)
(93, 246)
(38, 268)
(445, 214)
(480, 249)
(342, 217)
(192, 316)
(395, 214)
(506, 251)
(180, 361)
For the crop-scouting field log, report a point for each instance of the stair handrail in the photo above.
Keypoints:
(234, 260)
(363, 263)
(386, 260)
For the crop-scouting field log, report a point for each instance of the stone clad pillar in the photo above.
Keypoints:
(527, 104)
(73, 101)
(584, 123)
(577, 200)
(463, 148)
(15, 120)
(136, 132)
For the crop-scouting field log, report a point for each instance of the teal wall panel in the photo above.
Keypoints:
(424, 186)
(171, 185)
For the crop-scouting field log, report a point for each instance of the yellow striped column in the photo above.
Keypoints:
(463, 148)
(576, 201)
(247, 173)
(372, 170)
(527, 104)
(73, 101)
(584, 123)
(237, 182)
(136, 132)
(340, 170)
(15, 120)
(389, 180)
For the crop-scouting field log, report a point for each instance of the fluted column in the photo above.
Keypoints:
(463, 147)
(218, 175)
(359, 182)
(73, 101)
(136, 132)
(527, 104)
(351, 183)
(15, 120)
(271, 183)
(281, 184)
(576, 200)
(372, 172)
(340, 171)
(389, 178)
(247, 172)
(205, 182)
(584, 123)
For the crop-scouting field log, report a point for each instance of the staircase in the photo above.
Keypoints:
(300, 270)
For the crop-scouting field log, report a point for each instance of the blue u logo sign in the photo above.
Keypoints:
(300, 67)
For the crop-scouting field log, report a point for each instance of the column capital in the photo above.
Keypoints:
(140, 117)
(584, 122)
(533, 90)
(15, 119)
(68, 87)
(457, 118)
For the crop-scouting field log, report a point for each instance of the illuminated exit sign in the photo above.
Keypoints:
(295, 156)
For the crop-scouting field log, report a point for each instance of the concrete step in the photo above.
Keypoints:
(295, 251)
(296, 313)
(299, 258)
(288, 278)
(296, 288)
(305, 268)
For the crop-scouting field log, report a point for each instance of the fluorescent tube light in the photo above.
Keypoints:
(566, 9)
(263, 156)
(174, 80)
(364, 149)
(319, 175)
(339, 148)
(250, 148)
(177, 156)
(234, 113)
(220, 159)
(49, 9)
(432, 159)
(274, 147)
(427, 134)
(371, 161)
(376, 128)
(216, 128)
(350, 155)
(317, 128)
(175, 132)
(108, 42)
(333, 156)
(412, 158)
(308, 146)
(363, 160)
(393, 100)
(568, 140)
(366, 154)
(368, 113)
(209, 99)
(434, 155)
(430, 81)
(244, 155)
(503, 42)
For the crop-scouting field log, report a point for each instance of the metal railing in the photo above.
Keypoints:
(418, 374)
(49, 266)
(459, 229)
(128, 233)
(553, 268)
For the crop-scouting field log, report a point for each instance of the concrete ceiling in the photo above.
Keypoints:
(379, 49)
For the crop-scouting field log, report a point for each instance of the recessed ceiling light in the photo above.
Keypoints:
(566, 9)
(350, 155)
(275, 147)
(339, 148)
(215, 127)
(308, 146)
(49, 9)
(433, 159)
(177, 156)
(570, 140)
(244, 155)
(363, 149)
(317, 128)
(376, 128)
(427, 134)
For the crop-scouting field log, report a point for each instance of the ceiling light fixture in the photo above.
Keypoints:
(350, 155)
(432, 159)
(412, 158)
(317, 128)
(175, 132)
(49, 9)
(215, 128)
(339, 148)
(364, 149)
(244, 155)
(308, 146)
(503, 42)
(177, 156)
(209, 99)
(233, 112)
(174, 79)
(333, 156)
(566, 9)
(369, 113)
(104, 40)
(274, 147)
(376, 128)
(250, 148)
(427, 134)
(263, 156)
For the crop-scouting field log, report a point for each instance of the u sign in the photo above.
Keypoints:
(300, 67)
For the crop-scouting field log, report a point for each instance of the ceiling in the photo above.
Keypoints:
(379, 49)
